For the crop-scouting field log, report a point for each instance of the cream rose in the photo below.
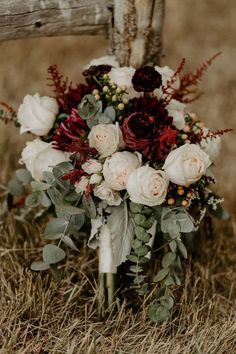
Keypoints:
(106, 60)
(118, 167)
(105, 138)
(176, 110)
(186, 164)
(211, 146)
(95, 179)
(147, 186)
(37, 114)
(39, 156)
(104, 192)
(92, 166)
(123, 77)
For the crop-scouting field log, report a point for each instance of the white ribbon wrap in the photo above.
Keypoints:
(106, 257)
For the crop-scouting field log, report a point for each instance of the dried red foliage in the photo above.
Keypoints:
(168, 90)
(215, 134)
(188, 91)
(67, 97)
(74, 175)
(7, 113)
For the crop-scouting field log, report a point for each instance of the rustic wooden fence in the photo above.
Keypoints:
(134, 27)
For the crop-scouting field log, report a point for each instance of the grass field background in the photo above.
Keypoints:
(38, 316)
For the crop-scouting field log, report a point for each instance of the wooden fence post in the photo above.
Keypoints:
(136, 34)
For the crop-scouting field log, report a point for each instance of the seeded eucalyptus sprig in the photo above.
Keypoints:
(143, 220)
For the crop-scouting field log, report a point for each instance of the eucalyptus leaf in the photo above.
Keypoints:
(89, 207)
(182, 249)
(39, 265)
(39, 186)
(53, 254)
(49, 178)
(167, 302)
(33, 199)
(161, 275)
(56, 226)
(55, 196)
(23, 175)
(158, 313)
(15, 187)
(68, 241)
(96, 225)
(168, 259)
(44, 200)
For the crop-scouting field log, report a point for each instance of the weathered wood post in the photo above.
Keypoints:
(134, 26)
(136, 35)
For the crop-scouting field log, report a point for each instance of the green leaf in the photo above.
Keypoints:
(44, 200)
(56, 272)
(39, 265)
(182, 249)
(68, 241)
(169, 280)
(49, 178)
(56, 226)
(167, 302)
(33, 199)
(55, 196)
(158, 313)
(173, 246)
(168, 259)
(161, 274)
(136, 208)
(136, 268)
(132, 258)
(68, 212)
(52, 236)
(23, 175)
(142, 290)
(142, 251)
(136, 243)
(15, 187)
(53, 254)
(140, 220)
(39, 186)
(89, 207)
(142, 234)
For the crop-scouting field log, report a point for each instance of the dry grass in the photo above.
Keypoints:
(38, 316)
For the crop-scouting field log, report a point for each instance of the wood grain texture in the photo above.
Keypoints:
(39, 18)
(136, 36)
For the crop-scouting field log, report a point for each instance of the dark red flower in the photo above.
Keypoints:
(153, 107)
(95, 70)
(146, 79)
(144, 133)
(70, 130)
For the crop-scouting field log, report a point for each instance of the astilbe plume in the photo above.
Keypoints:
(7, 113)
(188, 91)
(67, 97)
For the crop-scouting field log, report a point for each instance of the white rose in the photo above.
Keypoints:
(123, 77)
(176, 110)
(105, 138)
(95, 179)
(211, 146)
(92, 166)
(166, 75)
(147, 186)
(186, 164)
(104, 192)
(37, 114)
(81, 186)
(39, 156)
(118, 167)
(106, 60)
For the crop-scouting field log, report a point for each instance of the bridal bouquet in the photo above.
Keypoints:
(120, 161)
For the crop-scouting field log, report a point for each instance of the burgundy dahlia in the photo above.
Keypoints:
(144, 133)
(70, 130)
(146, 79)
